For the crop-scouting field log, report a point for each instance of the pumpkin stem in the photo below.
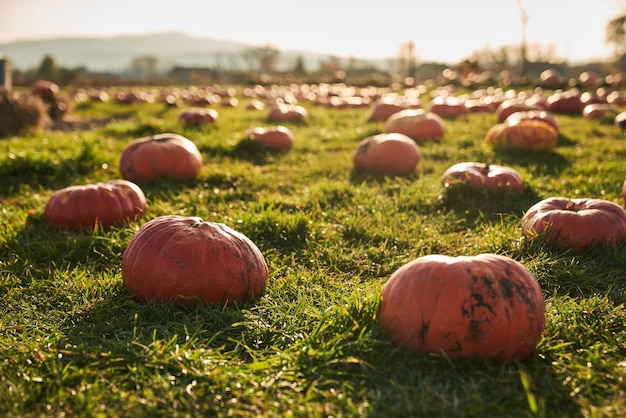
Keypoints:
(485, 169)
(570, 206)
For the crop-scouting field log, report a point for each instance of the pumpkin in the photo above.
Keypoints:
(84, 206)
(565, 102)
(198, 116)
(416, 123)
(599, 111)
(540, 115)
(480, 176)
(575, 223)
(513, 105)
(386, 153)
(385, 106)
(486, 306)
(186, 260)
(524, 134)
(163, 155)
(273, 137)
(448, 106)
(287, 113)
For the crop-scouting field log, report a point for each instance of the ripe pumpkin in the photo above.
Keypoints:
(385, 106)
(84, 206)
(417, 124)
(481, 176)
(387, 153)
(513, 105)
(600, 111)
(198, 116)
(186, 260)
(540, 115)
(273, 137)
(565, 102)
(287, 113)
(448, 106)
(524, 134)
(575, 223)
(163, 155)
(485, 306)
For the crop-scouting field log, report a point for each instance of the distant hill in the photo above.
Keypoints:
(115, 54)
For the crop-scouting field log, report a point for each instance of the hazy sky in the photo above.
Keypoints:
(445, 30)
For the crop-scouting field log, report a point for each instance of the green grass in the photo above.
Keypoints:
(74, 343)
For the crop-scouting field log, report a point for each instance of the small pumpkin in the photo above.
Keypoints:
(417, 124)
(448, 106)
(385, 106)
(524, 134)
(386, 153)
(513, 105)
(186, 260)
(486, 306)
(84, 206)
(600, 111)
(272, 137)
(481, 176)
(575, 223)
(540, 115)
(287, 113)
(565, 102)
(198, 116)
(163, 155)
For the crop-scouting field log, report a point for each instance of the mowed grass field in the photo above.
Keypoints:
(73, 341)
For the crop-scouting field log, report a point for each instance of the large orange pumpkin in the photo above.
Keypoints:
(272, 137)
(417, 124)
(185, 260)
(575, 223)
(481, 176)
(84, 206)
(524, 134)
(485, 306)
(163, 155)
(387, 153)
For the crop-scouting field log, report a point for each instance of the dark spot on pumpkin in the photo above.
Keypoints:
(474, 333)
(424, 331)
(506, 287)
(480, 303)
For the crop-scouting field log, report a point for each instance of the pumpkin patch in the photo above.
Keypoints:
(486, 306)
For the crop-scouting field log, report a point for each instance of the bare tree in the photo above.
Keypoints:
(407, 58)
(145, 65)
(615, 34)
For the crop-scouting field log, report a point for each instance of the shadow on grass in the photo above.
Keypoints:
(350, 350)
(543, 162)
(474, 205)
(46, 171)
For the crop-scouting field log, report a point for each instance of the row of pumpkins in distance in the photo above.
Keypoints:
(497, 310)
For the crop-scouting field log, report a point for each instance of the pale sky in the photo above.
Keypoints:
(443, 30)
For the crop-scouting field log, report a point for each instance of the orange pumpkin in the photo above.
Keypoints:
(84, 206)
(185, 260)
(486, 306)
(273, 137)
(540, 115)
(513, 105)
(575, 223)
(287, 113)
(525, 134)
(163, 155)
(480, 176)
(417, 124)
(390, 153)
(198, 116)
(385, 106)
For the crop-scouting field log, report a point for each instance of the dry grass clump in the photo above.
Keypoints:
(20, 112)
